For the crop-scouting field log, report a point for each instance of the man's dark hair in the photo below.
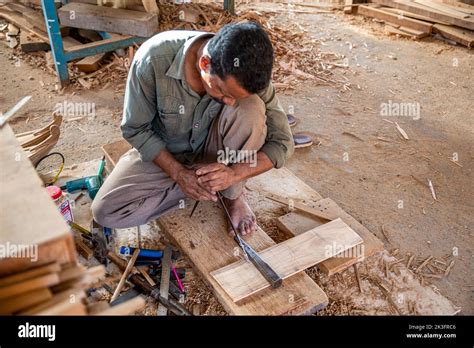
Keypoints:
(244, 51)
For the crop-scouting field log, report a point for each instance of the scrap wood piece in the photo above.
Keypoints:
(433, 193)
(125, 274)
(369, 11)
(298, 205)
(448, 269)
(296, 223)
(459, 35)
(90, 63)
(30, 43)
(423, 264)
(402, 132)
(242, 279)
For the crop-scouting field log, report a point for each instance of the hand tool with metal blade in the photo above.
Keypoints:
(270, 275)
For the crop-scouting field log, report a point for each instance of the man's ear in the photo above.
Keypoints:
(205, 63)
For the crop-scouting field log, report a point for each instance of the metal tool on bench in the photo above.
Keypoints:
(251, 255)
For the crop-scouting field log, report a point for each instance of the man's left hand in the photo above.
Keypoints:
(216, 176)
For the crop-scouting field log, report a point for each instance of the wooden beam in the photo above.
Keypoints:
(404, 32)
(296, 223)
(459, 35)
(393, 18)
(102, 18)
(242, 279)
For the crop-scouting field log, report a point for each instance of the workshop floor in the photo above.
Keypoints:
(361, 163)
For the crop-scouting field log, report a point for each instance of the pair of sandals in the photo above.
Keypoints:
(300, 139)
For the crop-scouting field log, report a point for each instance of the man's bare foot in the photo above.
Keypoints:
(242, 216)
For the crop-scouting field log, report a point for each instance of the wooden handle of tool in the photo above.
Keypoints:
(125, 274)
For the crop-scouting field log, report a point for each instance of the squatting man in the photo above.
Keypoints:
(190, 97)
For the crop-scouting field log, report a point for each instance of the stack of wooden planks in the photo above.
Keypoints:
(55, 289)
(450, 19)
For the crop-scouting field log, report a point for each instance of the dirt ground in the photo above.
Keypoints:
(359, 158)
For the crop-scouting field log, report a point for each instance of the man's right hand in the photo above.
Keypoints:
(188, 182)
(187, 179)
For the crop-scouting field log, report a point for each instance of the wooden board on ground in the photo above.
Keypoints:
(242, 279)
(393, 18)
(204, 239)
(413, 7)
(102, 18)
(31, 223)
(459, 35)
(297, 223)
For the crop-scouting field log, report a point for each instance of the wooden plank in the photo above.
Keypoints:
(242, 279)
(443, 8)
(71, 295)
(102, 18)
(29, 274)
(348, 6)
(404, 32)
(209, 247)
(405, 14)
(30, 220)
(467, 23)
(29, 285)
(296, 223)
(25, 300)
(392, 18)
(283, 182)
(459, 35)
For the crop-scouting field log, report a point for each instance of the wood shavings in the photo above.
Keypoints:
(402, 132)
(433, 193)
